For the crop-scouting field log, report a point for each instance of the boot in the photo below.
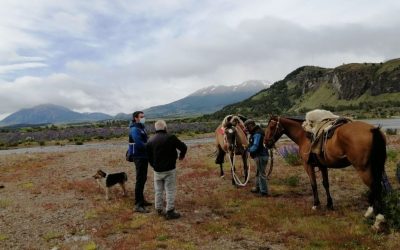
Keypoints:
(171, 214)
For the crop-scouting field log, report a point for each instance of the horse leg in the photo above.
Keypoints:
(234, 168)
(311, 174)
(220, 160)
(325, 183)
(245, 167)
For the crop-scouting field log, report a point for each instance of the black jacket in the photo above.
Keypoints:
(161, 151)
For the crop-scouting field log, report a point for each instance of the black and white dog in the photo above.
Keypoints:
(110, 180)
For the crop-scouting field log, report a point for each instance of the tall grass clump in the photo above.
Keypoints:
(392, 209)
(290, 153)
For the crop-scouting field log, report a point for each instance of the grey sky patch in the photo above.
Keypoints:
(124, 55)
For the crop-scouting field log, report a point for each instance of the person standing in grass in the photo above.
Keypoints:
(259, 154)
(139, 136)
(162, 154)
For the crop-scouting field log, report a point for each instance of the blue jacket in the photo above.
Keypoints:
(257, 147)
(138, 133)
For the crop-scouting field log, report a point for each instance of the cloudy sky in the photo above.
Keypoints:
(119, 56)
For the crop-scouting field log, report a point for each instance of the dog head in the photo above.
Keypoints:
(99, 174)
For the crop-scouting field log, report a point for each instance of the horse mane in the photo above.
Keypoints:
(229, 120)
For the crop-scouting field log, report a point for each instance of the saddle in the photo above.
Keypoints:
(325, 130)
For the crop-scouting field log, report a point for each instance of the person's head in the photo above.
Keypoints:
(138, 117)
(160, 125)
(250, 125)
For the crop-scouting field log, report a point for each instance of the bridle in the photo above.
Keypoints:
(231, 130)
(277, 132)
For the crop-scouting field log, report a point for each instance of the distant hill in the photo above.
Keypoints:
(207, 100)
(365, 89)
(50, 113)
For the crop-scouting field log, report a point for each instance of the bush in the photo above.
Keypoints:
(78, 142)
(391, 203)
(391, 131)
(290, 154)
(391, 155)
(42, 143)
(292, 181)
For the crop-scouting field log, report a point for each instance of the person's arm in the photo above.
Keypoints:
(181, 147)
(149, 151)
(137, 137)
(256, 143)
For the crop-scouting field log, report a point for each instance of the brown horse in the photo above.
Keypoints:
(231, 139)
(356, 143)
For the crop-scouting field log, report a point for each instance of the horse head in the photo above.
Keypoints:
(234, 135)
(273, 131)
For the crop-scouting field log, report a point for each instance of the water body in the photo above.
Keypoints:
(385, 123)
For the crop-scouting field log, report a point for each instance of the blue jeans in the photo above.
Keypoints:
(261, 177)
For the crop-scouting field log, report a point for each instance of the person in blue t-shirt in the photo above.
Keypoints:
(138, 133)
(259, 154)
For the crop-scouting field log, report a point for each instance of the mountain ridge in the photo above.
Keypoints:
(354, 88)
(50, 113)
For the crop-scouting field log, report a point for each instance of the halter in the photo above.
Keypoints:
(278, 130)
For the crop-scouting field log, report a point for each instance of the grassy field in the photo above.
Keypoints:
(50, 200)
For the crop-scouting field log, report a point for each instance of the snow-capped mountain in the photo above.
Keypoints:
(207, 100)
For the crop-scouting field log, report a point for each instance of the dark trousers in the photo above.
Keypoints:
(141, 177)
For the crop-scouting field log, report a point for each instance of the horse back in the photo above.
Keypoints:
(351, 141)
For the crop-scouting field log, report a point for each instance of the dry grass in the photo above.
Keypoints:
(70, 211)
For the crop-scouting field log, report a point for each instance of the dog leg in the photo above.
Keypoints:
(123, 189)
(107, 191)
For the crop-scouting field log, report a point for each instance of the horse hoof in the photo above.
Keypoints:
(329, 207)
(222, 176)
(369, 212)
(314, 208)
(380, 224)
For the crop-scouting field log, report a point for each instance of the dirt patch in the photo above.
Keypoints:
(49, 200)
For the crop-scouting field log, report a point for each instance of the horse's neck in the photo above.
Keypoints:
(242, 139)
(294, 130)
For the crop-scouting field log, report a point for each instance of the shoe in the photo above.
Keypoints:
(146, 203)
(140, 209)
(255, 190)
(171, 215)
(160, 211)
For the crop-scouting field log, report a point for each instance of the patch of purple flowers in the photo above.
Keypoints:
(290, 153)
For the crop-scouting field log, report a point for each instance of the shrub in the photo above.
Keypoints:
(42, 143)
(391, 203)
(292, 181)
(290, 154)
(391, 131)
(391, 155)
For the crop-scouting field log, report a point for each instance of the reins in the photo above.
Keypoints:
(232, 162)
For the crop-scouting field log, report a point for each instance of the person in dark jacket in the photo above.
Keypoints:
(260, 155)
(162, 155)
(139, 136)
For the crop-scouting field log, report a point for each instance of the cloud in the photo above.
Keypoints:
(124, 55)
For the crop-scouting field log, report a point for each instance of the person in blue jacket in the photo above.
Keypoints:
(138, 133)
(259, 154)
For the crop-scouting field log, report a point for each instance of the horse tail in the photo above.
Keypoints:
(377, 160)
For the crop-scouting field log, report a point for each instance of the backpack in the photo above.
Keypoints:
(129, 152)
